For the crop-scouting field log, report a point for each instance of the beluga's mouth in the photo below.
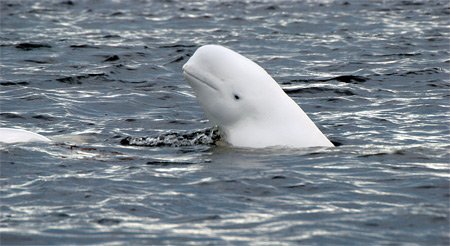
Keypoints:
(190, 76)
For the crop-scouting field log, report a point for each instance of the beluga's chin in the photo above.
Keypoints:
(246, 103)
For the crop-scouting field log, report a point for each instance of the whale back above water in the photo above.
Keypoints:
(11, 136)
(246, 103)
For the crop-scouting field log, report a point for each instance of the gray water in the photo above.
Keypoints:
(374, 75)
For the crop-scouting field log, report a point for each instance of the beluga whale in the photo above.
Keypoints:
(248, 106)
(12, 136)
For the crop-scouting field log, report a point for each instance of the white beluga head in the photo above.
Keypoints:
(246, 103)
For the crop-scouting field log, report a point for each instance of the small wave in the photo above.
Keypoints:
(11, 116)
(178, 46)
(83, 46)
(79, 79)
(314, 90)
(352, 79)
(31, 46)
(111, 58)
(9, 83)
(425, 71)
(207, 136)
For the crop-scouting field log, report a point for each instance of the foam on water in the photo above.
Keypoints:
(176, 139)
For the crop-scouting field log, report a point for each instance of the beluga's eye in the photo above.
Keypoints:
(236, 97)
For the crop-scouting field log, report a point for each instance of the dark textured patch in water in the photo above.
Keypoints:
(80, 78)
(316, 90)
(11, 116)
(68, 2)
(336, 143)
(176, 139)
(372, 155)
(396, 152)
(108, 221)
(118, 13)
(83, 46)
(279, 177)
(37, 61)
(179, 46)
(31, 46)
(111, 36)
(62, 215)
(352, 79)
(177, 122)
(43, 117)
(112, 58)
(300, 186)
(14, 83)
(349, 79)
(410, 3)
(413, 73)
(167, 163)
(178, 59)
(427, 187)
(372, 224)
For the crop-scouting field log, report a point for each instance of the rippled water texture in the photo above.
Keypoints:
(373, 74)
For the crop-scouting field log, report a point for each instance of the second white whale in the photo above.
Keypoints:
(12, 136)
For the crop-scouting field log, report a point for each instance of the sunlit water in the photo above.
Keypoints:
(374, 75)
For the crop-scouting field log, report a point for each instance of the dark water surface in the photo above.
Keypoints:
(373, 74)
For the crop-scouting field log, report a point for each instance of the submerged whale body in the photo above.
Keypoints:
(246, 103)
(11, 136)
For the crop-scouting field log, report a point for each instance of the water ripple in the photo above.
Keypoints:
(372, 74)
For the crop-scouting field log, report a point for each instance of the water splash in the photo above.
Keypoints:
(208, 136)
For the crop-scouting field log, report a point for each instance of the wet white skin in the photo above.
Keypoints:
(10, 136)
(246, 103)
